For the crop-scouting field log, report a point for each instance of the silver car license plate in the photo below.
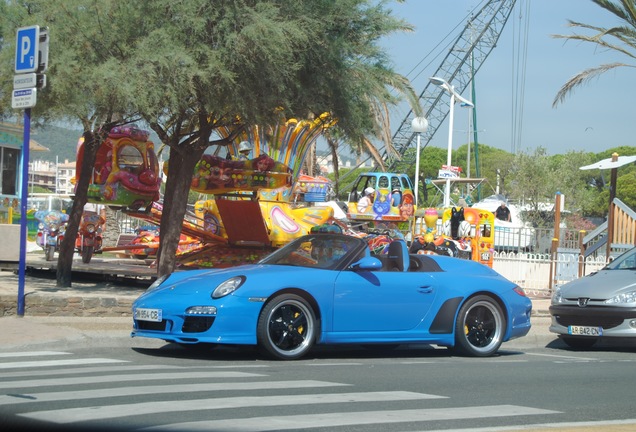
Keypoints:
(585, 331)
(142, 314)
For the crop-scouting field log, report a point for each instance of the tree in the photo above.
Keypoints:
(533, 182)
(244, 62)
(190, 68)
(620, 39)
(82, 83)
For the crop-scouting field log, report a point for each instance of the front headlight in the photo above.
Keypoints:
(157, 282)
(624, 298)
(90, 228)
(228, 287)
(556, 296)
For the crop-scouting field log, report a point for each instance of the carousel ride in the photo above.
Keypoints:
(259, 202)
(249, 210)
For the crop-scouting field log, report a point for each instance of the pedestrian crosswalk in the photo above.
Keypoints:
(47, 387)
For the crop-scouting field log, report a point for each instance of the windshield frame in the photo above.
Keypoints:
(625, 261)
(354, 250)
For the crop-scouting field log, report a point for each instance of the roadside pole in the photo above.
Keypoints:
(31, 59)
(24, 194)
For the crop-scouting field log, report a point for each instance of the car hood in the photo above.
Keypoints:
(603, 284)
(260, 279)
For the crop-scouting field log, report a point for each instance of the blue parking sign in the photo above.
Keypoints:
(26, 49)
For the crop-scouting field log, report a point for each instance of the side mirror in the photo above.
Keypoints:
(367, 263)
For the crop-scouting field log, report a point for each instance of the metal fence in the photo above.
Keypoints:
(128, 224)
(538, 274)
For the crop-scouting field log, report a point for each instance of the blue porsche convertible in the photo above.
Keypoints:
(330, 289)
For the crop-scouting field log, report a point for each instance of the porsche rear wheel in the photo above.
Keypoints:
(480, 325)
(286, 327)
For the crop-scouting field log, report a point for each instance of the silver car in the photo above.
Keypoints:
(598, 306)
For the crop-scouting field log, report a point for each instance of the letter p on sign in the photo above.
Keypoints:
(26, 49)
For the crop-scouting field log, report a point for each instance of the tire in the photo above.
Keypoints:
(286, 328)
(49, 252)
(87, 254)
(480, 326)
(579, 343)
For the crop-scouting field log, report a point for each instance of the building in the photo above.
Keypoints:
(54, 176)
(66, 177)
(325, 162)
(11, 140)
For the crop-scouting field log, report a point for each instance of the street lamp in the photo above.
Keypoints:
(454, 96)
(419, 125)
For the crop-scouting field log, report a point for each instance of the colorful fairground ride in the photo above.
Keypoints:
(462, 232)
(391, 202)
(126, 170)
(249, 207)
(258, 202)
(390, 212)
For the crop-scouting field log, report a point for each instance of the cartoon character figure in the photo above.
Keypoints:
(263, 163)
(430, 218)
(407, 209)
(457, 216)
(381, 206)
(219, 177)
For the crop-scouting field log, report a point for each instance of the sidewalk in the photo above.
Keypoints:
(86, 298)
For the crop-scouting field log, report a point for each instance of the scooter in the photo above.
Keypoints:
(89, 235)
(51, 228)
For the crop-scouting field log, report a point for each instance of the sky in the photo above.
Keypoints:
(595, 117)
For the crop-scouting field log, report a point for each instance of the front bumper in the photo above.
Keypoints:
(234, 323)
(615, 321)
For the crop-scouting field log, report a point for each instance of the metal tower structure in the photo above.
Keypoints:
(468, 53)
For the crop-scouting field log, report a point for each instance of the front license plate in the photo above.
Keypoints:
(148, 314)
(585, 331)
(485, 256)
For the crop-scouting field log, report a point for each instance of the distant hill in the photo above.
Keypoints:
(60, 141)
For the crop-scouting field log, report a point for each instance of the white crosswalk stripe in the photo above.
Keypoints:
(90, 394)
(305, 421)
(32, 354)
(65, 362)
(102, 413)
(161, 389)
(123, 378)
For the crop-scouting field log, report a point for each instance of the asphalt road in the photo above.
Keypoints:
(118, 383)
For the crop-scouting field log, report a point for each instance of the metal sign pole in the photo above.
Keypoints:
(23, 210)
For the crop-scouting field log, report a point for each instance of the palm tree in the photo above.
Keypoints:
(621, 39)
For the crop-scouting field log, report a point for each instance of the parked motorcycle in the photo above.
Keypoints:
(89, 235)
(51, 228)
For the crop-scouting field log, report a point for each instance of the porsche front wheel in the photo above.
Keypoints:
(479, 329)
(286, 327)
